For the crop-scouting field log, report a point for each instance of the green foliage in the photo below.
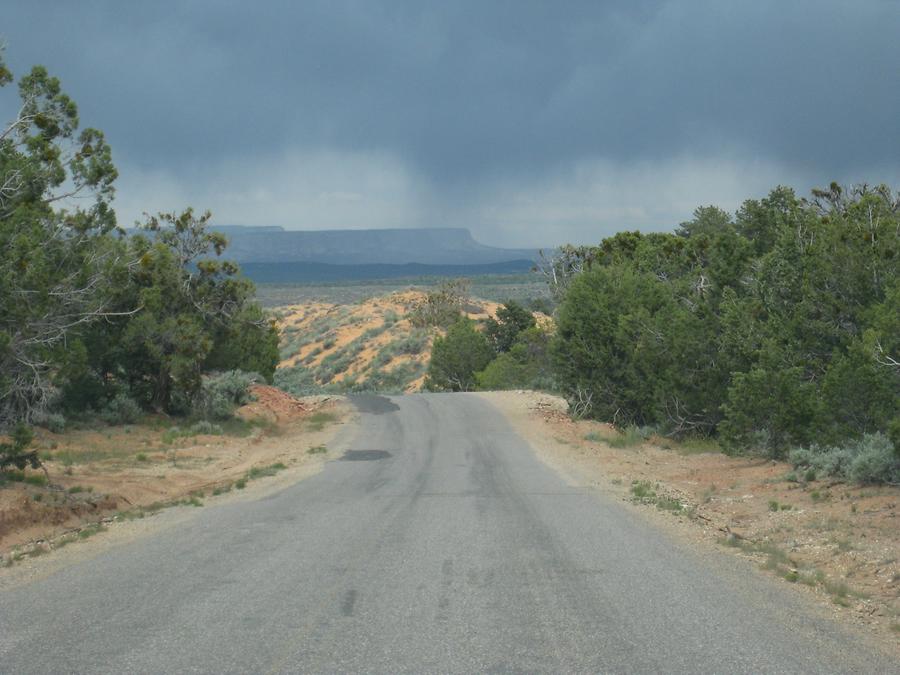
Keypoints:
(511, 320)
(456, 358)
(507, 371)
(524, 366)
(121, 409)
(195, 311)
(55, 262)
(90, 319)
(249, 342)
(770, 410)
(776, 328)
(15, 452)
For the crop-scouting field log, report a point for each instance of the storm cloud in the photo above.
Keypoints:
(532, 123)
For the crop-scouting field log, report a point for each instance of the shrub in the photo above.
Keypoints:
(876, 461)
(221, 394)
(505, 372)
(205, 427)
(412, 344)
(457, 357)
(870, 459)
(297, 380)
(823, 461)
(121, 409)
(511, 320)
(524, 366)
(441, 307)
(54, 422)
(780, 403)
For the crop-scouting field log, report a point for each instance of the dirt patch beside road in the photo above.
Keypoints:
(840, 542)
(119, 473)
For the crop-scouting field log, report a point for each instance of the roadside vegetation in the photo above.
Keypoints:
(124, 356)
(773, 332)
(98, 327)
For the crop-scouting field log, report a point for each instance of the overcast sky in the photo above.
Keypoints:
(531, 123)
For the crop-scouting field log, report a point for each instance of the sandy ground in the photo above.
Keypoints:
(122, 474)
(837, 543)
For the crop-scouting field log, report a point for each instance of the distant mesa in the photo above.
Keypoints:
(420, 246)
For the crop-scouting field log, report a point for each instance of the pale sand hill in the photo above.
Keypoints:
(372, 341)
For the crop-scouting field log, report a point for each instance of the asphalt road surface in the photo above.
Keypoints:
(439, 543)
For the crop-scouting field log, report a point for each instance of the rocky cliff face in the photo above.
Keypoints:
(431, 246)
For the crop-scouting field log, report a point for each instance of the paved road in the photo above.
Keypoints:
(439, 545)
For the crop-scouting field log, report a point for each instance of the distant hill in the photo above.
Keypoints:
(298, 272)
(424, 246)
(368, 346)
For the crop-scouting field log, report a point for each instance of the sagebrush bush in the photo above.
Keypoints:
(54, 422)
(205, 427)
(412, 344)
(221, 394)
(296, 380)
(876, 461)
(121, 409)
(871, 459)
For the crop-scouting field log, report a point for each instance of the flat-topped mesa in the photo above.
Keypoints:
(398, 246)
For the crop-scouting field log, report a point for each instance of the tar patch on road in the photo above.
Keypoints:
(364, 455)
(372, 404)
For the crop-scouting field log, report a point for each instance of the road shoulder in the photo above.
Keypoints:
(243, 473)
(838, 552)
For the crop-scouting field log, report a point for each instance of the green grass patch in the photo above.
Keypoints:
(261, 471)
(130, 514)
(780, 562)
(818, 496)
(12, 476)
(317, 450)
(698, 445)
(221, 489)
(70, 458)
(642, 491)
(317, 421)
(90, 530)
(669, 504)
(628, 437)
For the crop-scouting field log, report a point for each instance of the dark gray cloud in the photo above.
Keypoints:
(465, 109)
